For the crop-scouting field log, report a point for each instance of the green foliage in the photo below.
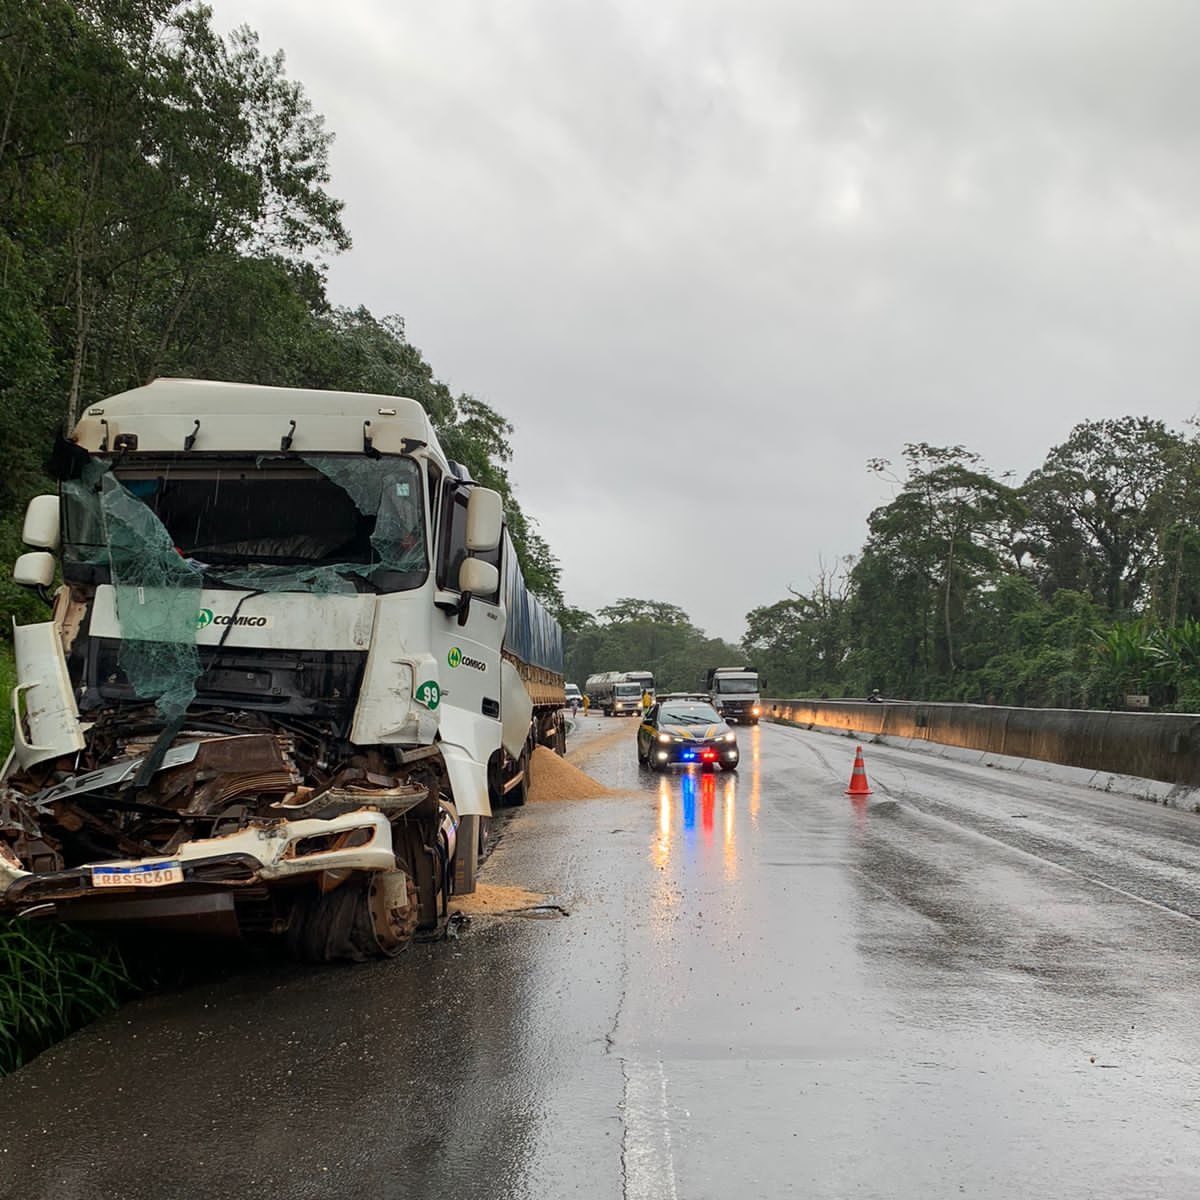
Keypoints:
(644, 635)
(1101, 506)
(8, 679)
(1079, 587)
(939, 545)
(801, 644)
(164, 211)
(53, 979)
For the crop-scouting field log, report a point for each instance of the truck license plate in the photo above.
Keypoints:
(141, 874)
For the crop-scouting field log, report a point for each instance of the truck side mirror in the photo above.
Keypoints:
(475, 576)
(478, 577)
(485, 519)
(41, 526)
(35, 570)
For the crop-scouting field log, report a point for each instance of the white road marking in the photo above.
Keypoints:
(649, 1161)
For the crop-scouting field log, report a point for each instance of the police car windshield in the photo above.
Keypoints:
(689, 714)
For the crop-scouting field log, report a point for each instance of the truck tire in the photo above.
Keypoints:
(364, 918)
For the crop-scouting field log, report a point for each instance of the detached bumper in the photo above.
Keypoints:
(264, 852)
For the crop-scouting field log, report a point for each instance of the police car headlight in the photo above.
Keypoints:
(664, 737)
(731, 736)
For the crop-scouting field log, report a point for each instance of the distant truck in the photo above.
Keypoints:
(614, 694)
(644, 680)
(292, 666)
(734, 693)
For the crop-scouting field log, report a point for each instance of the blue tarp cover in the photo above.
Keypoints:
(532, 634)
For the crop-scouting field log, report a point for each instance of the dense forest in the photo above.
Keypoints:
(164, 211)
(1077, 588)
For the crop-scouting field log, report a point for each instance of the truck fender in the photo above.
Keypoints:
(468, 781)
(516, 709)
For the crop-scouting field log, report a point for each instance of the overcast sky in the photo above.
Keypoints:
(710, 256)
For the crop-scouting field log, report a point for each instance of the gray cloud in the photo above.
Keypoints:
(709, 257)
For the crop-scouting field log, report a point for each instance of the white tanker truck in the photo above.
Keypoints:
(291, 667)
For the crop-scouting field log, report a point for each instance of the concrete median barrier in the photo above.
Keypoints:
(1164, 747)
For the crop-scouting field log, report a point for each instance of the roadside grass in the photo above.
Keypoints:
(53, 979)
(8, 680)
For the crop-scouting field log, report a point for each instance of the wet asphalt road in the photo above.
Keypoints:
(973, 984)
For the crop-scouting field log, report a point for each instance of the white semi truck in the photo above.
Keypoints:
(734, 693)
(291, 666)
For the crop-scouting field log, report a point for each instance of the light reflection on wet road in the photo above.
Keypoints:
(970, 984)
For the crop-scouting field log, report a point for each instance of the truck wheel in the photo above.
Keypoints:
(372, 917)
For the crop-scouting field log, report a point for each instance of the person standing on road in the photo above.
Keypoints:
(647, 700)
(586, 703)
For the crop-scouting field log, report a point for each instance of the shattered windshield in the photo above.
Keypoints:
(159, 533)
(315, 524)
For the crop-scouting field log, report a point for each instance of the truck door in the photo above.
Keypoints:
(468, 653)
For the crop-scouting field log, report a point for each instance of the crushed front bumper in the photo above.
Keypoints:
(265, 851)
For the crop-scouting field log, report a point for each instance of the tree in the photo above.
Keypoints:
(164, 210)
(635, 634)
(802, 641)
(652, 611)
(1101, 509)
(944, 538)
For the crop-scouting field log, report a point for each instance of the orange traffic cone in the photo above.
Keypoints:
(858, 777)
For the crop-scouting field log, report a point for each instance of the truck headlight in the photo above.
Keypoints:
(755, 711)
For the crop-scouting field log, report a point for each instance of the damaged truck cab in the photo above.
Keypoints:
(291, 665)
